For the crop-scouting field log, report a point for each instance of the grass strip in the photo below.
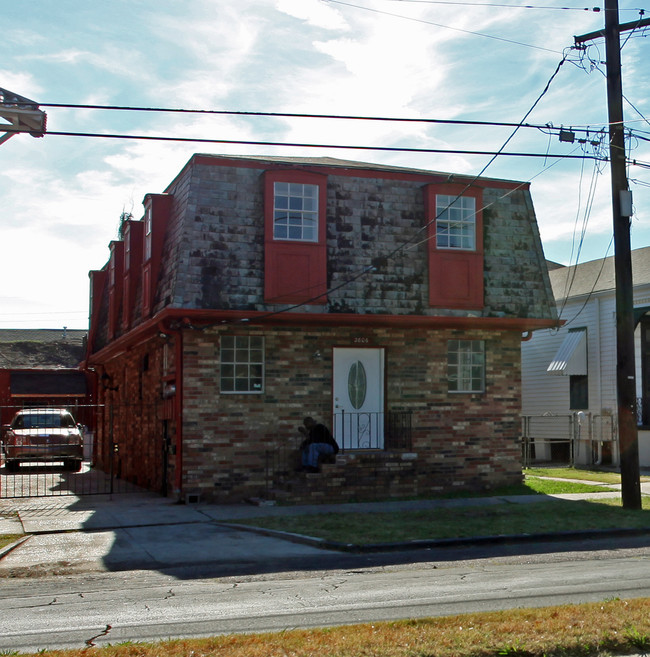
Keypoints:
(602, 476)
(606, 628)
(460, 522)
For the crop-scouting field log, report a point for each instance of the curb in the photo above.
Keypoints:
(12, 546)
(427, 544)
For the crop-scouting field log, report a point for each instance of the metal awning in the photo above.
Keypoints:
(571, 357)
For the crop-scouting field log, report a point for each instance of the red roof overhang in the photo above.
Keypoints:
(187, 318)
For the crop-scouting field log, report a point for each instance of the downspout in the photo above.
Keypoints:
(178, 403)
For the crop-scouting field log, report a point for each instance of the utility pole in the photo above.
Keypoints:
(622, 210)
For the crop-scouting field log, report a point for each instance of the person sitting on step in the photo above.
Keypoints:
(318, 442)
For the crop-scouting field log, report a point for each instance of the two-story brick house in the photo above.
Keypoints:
(387, 302)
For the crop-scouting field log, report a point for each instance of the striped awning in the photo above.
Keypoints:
(571, 357)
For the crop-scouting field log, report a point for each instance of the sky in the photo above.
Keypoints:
(61, 196)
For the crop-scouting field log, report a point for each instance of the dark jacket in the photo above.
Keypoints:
(319, 433)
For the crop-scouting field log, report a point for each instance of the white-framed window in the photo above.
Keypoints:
(295, 212)
(466, 365)
(127, 250)
(242, 364)
(111, 270)
(455, 222)
(148, 233)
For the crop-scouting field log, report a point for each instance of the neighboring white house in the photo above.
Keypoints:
(569, 375)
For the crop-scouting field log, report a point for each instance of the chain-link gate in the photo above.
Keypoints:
(108, 449)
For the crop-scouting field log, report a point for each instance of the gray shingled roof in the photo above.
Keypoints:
(340, 163)
(597, 275)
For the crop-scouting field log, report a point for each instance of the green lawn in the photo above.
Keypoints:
(503, 518)
(602, 476)
(495, 520)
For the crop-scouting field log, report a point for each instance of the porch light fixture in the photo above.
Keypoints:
(169, 391)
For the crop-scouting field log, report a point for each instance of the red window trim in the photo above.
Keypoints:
(160, 207)
(311, 255)
(133, 232)
(463, 265)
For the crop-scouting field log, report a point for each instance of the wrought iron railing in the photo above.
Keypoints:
(390, 430)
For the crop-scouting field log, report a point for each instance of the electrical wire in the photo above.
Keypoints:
(586, 215)
(293, 115)
(394, 149)
(446, 27)
(406, 243)
(495, 4)
(593, 287)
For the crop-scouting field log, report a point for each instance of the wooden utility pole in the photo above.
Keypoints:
(622, 210)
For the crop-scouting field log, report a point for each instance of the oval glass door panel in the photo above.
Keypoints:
(357, 384)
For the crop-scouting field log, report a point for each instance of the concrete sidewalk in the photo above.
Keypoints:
(145, 531)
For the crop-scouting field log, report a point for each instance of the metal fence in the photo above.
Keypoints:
(570, 438)
(50, 476)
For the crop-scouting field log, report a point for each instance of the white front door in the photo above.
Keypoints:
(359, 398)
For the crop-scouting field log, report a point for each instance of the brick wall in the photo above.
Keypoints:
(467, 441)
(132, 418)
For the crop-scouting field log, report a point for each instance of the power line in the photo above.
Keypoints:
(243, 142)
(446, 27)
(299, 115)
(408, 243)
(496, 4)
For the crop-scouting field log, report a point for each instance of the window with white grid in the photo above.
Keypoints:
(295, 212)
(455, 222)
(242, 364)
(466, 365)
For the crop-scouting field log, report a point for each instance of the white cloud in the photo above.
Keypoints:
(62, 197)
(314, 12)
(22, 83)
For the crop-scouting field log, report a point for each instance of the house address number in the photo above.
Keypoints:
(360, 340)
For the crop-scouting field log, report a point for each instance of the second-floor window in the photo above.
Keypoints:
(148, 233)
(455, 222)
(295, 212)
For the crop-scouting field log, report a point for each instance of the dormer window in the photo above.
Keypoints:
(157, 210)
(295, 212)
(295, 250)
(454, 218)
(455, 222)
(127, 250)
(111, 270)
(148, 233)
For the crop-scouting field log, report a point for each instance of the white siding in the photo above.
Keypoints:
(548, 393)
